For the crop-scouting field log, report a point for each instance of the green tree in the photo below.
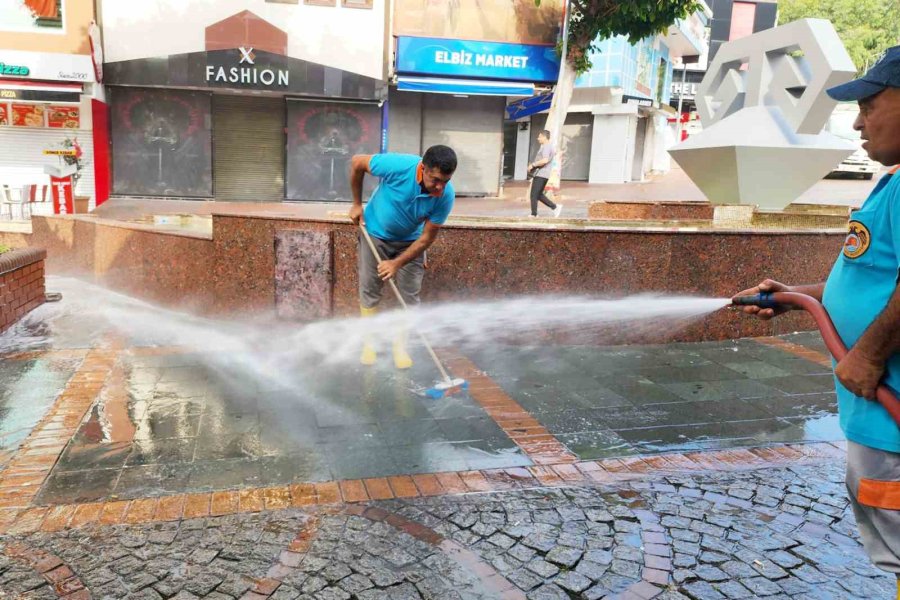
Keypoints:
(867, 27)
(592, 21)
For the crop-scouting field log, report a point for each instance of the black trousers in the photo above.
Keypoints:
(537, 193)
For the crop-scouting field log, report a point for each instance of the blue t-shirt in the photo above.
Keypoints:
(858, 289)
(398, 208)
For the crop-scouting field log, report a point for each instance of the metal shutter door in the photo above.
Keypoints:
(248, 148)
(23, 147)
(578, 133)
(473, 127)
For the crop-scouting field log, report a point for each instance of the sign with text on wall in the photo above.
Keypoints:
(488, 60)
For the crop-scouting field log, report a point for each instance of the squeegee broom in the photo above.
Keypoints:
(448, 386)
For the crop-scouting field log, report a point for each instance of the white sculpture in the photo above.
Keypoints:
(763, 105)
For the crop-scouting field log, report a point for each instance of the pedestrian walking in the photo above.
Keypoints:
(541, 169)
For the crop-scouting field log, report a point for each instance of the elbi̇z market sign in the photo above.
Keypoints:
(247, 73)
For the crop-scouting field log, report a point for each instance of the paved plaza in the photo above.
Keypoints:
(693, 470)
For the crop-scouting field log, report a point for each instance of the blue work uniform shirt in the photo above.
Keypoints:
(398, 208)
(858, 289)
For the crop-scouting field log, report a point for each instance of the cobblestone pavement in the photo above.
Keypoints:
(784, 532)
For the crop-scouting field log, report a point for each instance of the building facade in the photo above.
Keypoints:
(245, 100)
(51, 111)
(731, 20)
(616, 128)
(454, 68)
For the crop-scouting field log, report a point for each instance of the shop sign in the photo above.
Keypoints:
(247, 73)
(636, 100)
(38, 95)
(60, 152)
(48, 66)
(688, 91)
(529, 106)
(63, 195)
(66, 117)
(14, 70)
(465, 58)
(28, 115)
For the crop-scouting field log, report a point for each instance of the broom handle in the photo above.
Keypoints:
(394, 287)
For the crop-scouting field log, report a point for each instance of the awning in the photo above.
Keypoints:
(465, 87)
(529, 106)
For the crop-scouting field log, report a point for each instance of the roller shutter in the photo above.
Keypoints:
(248, 148)
(473, 127)
(577, 135)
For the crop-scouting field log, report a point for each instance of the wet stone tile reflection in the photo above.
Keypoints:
(674, 397)
(170, 421)
(193, 429)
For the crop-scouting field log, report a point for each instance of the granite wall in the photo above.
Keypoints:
(237, 272)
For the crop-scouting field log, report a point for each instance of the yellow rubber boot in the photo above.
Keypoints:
(401, 356)
(368, 356)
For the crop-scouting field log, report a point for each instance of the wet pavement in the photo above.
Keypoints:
(29, 387)
(168, 420)
(705, 471)
(775, 533)
(170, 423)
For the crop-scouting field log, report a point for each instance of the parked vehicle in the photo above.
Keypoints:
(841, 124)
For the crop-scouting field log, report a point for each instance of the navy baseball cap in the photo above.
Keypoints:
(884, 74)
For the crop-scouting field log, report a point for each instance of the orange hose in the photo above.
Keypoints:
(833, 342)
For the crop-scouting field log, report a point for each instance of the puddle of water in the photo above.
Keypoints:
(29, 388)
(179, 222)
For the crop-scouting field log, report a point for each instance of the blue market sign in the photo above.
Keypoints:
(487, 60)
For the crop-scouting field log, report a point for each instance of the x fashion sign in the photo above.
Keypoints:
(247, 73)
(246, 55)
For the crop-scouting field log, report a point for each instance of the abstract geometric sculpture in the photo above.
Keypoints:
(763, 105)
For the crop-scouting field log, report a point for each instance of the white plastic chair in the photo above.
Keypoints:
(15, 196)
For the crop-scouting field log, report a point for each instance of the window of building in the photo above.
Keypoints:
(161, 141)
(743, 15)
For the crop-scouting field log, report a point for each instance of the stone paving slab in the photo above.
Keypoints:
(771, 532)
(161, 421)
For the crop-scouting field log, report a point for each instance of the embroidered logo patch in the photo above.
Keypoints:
(857, 241)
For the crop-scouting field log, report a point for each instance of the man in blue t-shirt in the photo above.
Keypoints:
(863, 299)
(403, 216)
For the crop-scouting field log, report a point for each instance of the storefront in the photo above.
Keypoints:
(454, 74)
(48, 102)
(242, 117)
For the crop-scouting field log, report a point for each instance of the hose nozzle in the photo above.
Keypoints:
(762, 300)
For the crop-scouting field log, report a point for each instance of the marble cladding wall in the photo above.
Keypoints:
(173, 270)
(235, 272)
(659, 211)
(303, 274)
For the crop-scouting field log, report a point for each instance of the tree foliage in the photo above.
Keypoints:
(867, 27)
(592, 21)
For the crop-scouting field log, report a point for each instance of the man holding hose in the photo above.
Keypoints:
(403, 216)
(863, 299)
